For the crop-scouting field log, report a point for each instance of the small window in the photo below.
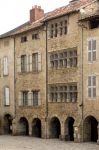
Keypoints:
(35, 98)
(23, 39)
(35, 62)
(52, 31)
(23, 63)
(35, 36)
(25, 98)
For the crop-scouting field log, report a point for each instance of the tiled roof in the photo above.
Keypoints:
(70, 8)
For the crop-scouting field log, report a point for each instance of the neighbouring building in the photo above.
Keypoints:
(50, 89)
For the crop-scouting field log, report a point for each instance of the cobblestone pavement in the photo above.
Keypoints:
(30, 143)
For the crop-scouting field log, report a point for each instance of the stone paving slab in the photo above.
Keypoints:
(30, 143)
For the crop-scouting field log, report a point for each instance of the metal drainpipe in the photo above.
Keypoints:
(14, 81)
(46, 76)
(82, 81)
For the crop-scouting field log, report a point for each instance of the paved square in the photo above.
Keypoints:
(30, 143)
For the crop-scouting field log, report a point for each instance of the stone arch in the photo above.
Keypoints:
(23, 126)
(36, 127)
(8, 124)
(90, 129)
(69, 129)
(55, 128)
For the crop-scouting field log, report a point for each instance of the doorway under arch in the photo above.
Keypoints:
(69, 129)
(8, 124)
(23, 126)
(36, 128)
(90, 129)
(55, 128)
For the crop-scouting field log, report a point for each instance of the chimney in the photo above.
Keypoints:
(36, 13)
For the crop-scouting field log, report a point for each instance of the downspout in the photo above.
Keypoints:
(82, 82)
(46, 76)
(14, 82)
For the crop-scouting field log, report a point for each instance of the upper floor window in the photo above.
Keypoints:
(63, 93)
(63, 59)
(92, 86)
(6, 96)
(5, 66)
(27, 98)
(29, 63)
(23, 63)
(23, 39)
(35, 36)
(92, 50)
(59, 28)
(35, 62)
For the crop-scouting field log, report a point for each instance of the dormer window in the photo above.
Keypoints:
(23, 39)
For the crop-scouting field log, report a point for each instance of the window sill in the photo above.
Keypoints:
(63, 102)
(66, 68)
(32, 72)
(35, 107)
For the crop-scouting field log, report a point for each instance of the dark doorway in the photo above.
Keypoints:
(36, 128)
(90, 129)
(23, 126)
(55, 128)
(69, 129)
(7, 124)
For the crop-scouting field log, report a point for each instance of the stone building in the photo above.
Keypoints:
(55, 73)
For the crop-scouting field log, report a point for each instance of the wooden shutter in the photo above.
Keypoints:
(20, 99)
(30, 98)
(7, 96)
(39, 98)
(89, 51)
(18, 64)
(94, 50)
(39, 61)
(30, 63)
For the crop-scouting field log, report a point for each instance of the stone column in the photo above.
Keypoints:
(98, 133)
(30, 129)
(62, 134)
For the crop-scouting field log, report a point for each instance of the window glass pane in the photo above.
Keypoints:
(89, 56)
(94, 80)
(94, 92)
(89, 81)
(94, 55)
(89, 92)
(93, 44)
(89, 45)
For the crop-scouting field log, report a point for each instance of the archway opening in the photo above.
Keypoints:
(55, 128)
(23, 126)
(36, 128)
(90, 129)
(7, 124)
(69, 129)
